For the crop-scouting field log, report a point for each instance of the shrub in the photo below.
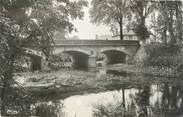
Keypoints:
(59, 62)
(162, 55)
(48, 109)
(155, 50)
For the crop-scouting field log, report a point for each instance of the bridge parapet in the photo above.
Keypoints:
(96, 42)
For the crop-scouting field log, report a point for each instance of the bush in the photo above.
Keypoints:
(155, 50)
(48, 109)
(165, 61)
(60, 61)
(163, 56)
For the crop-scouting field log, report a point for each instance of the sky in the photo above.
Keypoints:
(87, 30)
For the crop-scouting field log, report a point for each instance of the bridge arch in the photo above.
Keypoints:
(36, 63)
(120, 49)
(114, 56)
(36, 58)
(79, 59)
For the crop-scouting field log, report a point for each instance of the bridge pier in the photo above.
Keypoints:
(92, 61)
(129, 59)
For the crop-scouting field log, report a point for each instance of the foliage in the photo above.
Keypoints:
(168, 10)
(114, 110)
(163, 56)
(142, 32)
(25, 25)
(167, 24)
(18, 101)
(109, 11)
(168, 20)
(50, 109)
(153, 50)
(141, 9)
(59, 61)
(30, 24)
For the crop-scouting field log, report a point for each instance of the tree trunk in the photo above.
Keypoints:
(164, 34)
(170, 28)
(3, 90)
(7, 76)
(143, 25)
(123, 96)
(179, 22)
(143, 21)
(121, 28)
(123, 103)
(180, 28)
(4, 96)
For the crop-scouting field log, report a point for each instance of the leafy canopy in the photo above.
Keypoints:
(31, 23)
(107, 11)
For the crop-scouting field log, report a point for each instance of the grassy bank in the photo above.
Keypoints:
(62, 84)
(149, 70)
(161, 60)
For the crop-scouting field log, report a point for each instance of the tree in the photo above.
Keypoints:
(154, 27)
(141, 9)
(60, 34)
(30, 24)
(171, 13)
(109, 11)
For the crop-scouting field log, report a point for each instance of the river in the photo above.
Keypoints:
(120, 100)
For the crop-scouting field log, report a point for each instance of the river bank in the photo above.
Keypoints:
(154, 71)
(62, 84)
(158, 59)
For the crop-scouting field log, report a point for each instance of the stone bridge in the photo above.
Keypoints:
(87, 51)
(36, 58)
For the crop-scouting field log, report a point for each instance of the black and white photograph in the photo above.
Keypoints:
(91, 58)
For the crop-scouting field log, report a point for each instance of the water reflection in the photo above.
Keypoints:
(83, 106)
(146, 101)
(156, 100)
(160, 100)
